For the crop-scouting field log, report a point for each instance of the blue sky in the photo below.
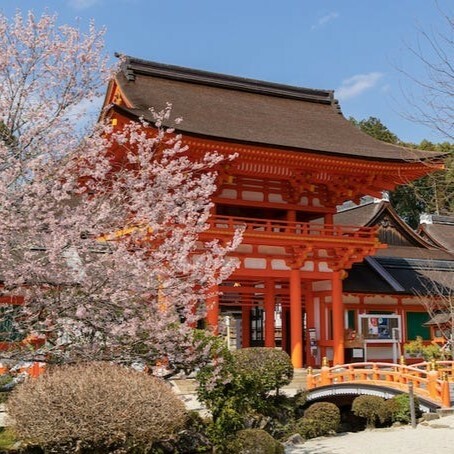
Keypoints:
(353, 46)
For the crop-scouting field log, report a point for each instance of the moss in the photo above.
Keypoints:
(7, 439)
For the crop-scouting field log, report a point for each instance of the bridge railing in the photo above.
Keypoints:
(429, 384)
(444, 368)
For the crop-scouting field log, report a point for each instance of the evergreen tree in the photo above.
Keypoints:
(433, 193)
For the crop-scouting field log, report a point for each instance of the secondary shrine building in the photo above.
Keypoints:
(298, 159)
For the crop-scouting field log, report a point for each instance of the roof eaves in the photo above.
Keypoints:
(396, 286)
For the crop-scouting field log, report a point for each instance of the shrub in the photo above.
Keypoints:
(237, 389)
(308, 428)
(254, 441)
(6, 385)
(191, 439)
(94, 407)
(372, 408)
(398, 408)
(326, 414)
(417, 348)
(266, 369)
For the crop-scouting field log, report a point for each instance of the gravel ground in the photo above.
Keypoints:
(435, 436)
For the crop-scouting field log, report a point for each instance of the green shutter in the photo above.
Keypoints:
(351, 319)
(415, 321)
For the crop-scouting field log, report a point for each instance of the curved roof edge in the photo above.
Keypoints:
(134, 114)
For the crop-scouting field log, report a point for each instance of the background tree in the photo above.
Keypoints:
(99, 229)
(433, 193)
(433, 54)
(376, 129)
(438, 301)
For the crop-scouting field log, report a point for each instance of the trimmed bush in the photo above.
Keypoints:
(308, 428)
(254, 441)
(398, 408)
(326, 414)
(266, 369)
(372, 408)
(95, 407)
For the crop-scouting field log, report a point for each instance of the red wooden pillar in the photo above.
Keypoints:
(329, 219)
(296, 320)
(246, 325)
(212, 317)
(270, 340)
(338, 319)
(310, 321)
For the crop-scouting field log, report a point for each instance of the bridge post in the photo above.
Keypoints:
(432, 377)
(310, 378)
(445, 393)
(402, 367)
(375, 375)
(324, 373)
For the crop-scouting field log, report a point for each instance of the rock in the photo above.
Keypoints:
(430, 416)
(295, 439)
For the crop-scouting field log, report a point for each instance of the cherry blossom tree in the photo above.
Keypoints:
(100, 229)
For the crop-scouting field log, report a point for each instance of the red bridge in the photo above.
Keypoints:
(431, 380)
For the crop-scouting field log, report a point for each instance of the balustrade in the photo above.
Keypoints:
(253, 226)
(428, 382)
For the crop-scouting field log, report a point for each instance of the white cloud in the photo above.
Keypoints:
(356, 85)
(325, 19)
(83, 4)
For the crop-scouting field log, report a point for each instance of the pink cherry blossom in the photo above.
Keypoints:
(99, 232)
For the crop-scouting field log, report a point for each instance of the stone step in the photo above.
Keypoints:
(184, 385)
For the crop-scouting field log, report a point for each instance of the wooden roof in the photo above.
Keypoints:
(409, 262)
(439, 231)
(400, 238)
(249, 111)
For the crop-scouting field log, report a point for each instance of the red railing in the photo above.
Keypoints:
(429, 384)
(445, 368)
(257, 227)
(33, 369)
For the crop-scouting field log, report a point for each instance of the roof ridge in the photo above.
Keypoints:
(132, 66)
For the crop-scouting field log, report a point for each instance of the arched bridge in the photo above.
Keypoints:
(431, 381)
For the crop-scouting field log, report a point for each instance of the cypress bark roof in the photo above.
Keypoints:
(439, 231)
(250, 111)
(413, 263)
